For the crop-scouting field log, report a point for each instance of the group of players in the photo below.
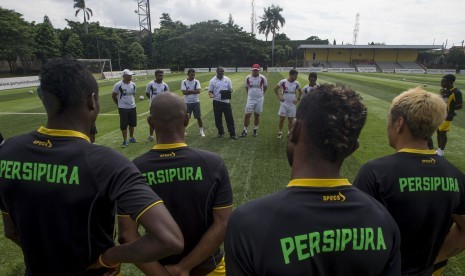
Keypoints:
(58, 191)
(220, 89)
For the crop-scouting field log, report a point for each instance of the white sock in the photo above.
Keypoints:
(255, 127)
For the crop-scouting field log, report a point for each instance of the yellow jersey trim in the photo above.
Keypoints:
(63, 133)
(223, 207)
(318, 182)
(169, 146)
(123, 216)
(145, 210)
(418, 151)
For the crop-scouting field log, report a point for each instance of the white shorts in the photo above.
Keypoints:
(255, 106)
(287, 110)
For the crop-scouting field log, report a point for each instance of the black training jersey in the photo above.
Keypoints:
(313, 227)
(453, 99)
(191, 183)
(421, 190)
(60, 191)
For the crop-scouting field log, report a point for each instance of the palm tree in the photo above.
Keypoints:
(80, 5)
(271, 20)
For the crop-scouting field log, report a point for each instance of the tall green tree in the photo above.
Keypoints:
(80, 5)
(137, 56)
(271, 22)
(16, 37)
(46, 41)
(74, 47)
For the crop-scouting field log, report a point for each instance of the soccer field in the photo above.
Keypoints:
(257, 165)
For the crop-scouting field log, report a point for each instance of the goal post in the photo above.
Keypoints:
(98, 65)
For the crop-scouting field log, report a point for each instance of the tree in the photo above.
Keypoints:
(47, 43)
(136, 55)
(16, 37)
(74, 47)
(271, 21)
(316, 40)
(282, 37)
(80, 5)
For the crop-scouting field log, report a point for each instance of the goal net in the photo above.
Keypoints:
(98, 66)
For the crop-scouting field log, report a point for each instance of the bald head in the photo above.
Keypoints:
(168, 113)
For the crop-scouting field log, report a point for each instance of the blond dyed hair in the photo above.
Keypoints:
(423, 111)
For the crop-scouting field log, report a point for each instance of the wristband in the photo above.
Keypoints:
(100, 261)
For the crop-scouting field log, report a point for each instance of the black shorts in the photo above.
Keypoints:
(194, 108)
(93, 129)
(127, 117)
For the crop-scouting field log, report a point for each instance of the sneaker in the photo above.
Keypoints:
(185, 133)
(255, 133)
(440, 152)
(202, 134)
(244, 133)
(133, 140)
(149, 139)
(220, 135)
(125, 144)
(280, 135)
(234, 137)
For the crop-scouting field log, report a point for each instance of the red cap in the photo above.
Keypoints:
(255, 67)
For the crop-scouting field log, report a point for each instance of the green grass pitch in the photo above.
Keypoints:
(257, 165)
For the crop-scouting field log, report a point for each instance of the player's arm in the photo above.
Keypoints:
(128, 232)
(197, 91)
(276, 91)
(210, 241)
(184, 89)
(10, 228)
(458, 100)
(163, 238)
(147, 90)
(114, 96)
(455, 240)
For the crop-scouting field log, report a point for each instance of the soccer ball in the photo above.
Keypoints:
(141, 97)
(31, 92)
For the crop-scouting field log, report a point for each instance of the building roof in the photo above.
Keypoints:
(377, 47)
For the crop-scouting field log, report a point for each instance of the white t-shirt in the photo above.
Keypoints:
(289, 90)
(255, 86)
(216, 85)
(153, 89)
(307, 88)
(191, 85)
(125, 93)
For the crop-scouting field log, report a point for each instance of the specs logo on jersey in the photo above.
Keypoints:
(338, 197)
(47, 144)
(171, 154)
(428, 161)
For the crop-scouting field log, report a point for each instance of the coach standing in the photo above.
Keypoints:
(123, 96)
(220, 90)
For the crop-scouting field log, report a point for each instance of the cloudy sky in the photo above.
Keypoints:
(394, 22)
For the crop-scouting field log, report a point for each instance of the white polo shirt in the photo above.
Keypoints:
(216, 85)
(191, 85)
(125, 95)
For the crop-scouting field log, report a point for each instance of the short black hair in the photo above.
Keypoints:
(293, 72)
(158, 72)
(333, 117)
(190, 71)
(312, 74)
(69, 81)
(449, 77)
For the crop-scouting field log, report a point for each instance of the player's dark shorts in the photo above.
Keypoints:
(194, 108)
(127, 117)
(93, 129)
